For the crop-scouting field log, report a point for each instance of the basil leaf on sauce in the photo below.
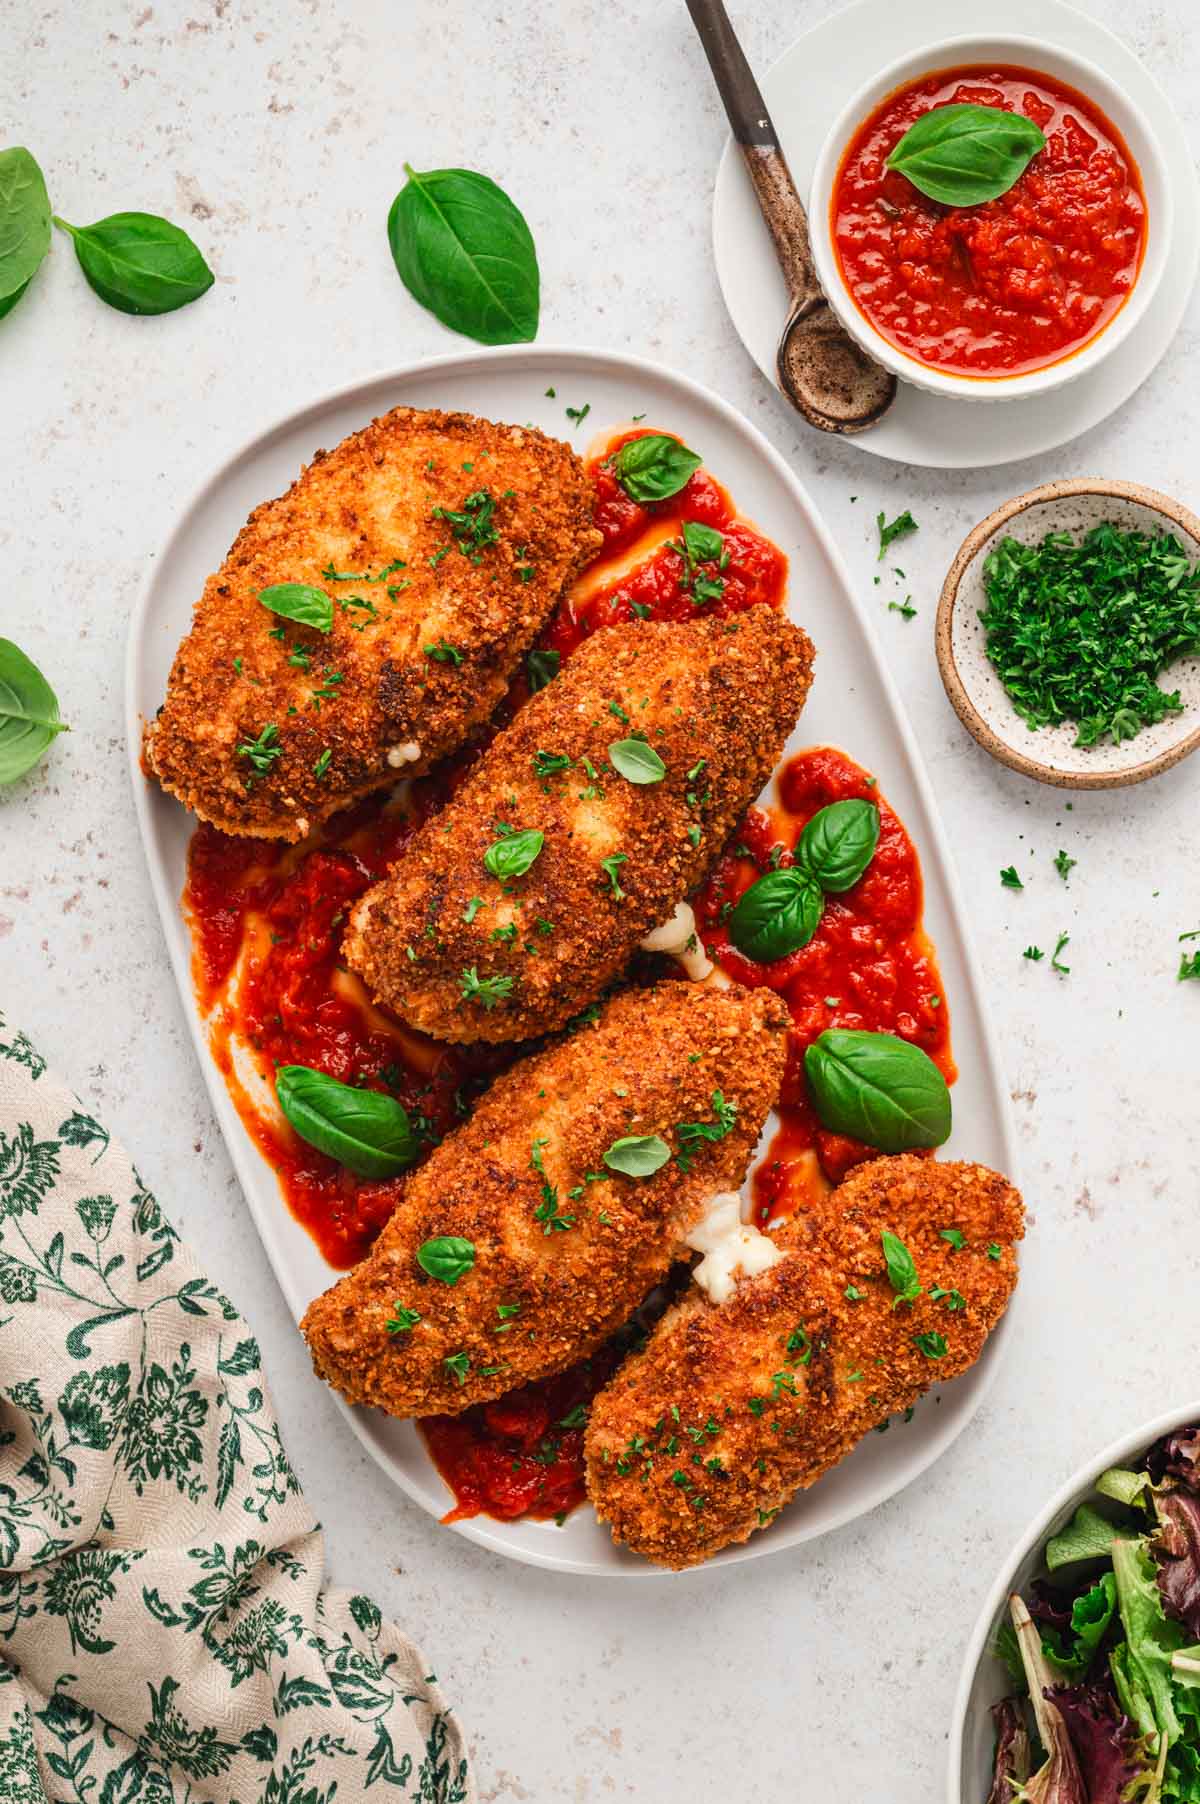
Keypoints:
(636, 761)
(655, 467)
(513, 855)
(24, 224)
(877, 1089)
(839, 842)
(140, 263)
(364, 1130)
(704, 543)
(541, 667)
(446, 1258)
(777, 915)
(963, 155)
(29, 718)
(299, 602)
(464, 251)
(638, 1155)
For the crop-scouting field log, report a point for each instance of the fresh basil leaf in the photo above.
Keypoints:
(777, 915)
(28, 713)
(838, 844)
(878, 1089)
(704, 543)
(655, 467)
(140, 263)
(541, 668)
(638, 1155)
(963, 155)
(446, 1258)
(464, 251)
(513, 855)
(636, 761)
(1087, 1536)
(364, 1130)
(299, 602)
(901, 1268)
(24, 224)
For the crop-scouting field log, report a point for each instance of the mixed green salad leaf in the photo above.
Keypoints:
(1105, 1650)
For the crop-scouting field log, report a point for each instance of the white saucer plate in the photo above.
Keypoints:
(804, 91)
(853, 704)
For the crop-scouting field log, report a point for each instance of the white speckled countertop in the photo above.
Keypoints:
(275, 132)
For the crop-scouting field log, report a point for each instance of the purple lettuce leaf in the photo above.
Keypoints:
(1177, 1455)
(1177, 1549)
(1012, 1751)
(1103, 1738)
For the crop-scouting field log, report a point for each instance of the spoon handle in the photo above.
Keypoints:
(756, 138)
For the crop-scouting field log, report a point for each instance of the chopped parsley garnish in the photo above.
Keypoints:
(577, 415)
(490, 991)
(932, 1344)
(547, 1211)
(955, 1236)
(402, 1320)
(1064, 865)
(459, 1364)
(1063, 941)
(362, 576)
(611, 867)
(444, 653)
(692, 1135)
(322, 764)
(1009, 878)
(898, 528)
(263, 751)
(993, 1251)
(853, 1294)
(1189, 966)
(904, 608)
(1080, 632)
(1033, 953)
(472, 909)
(953, 1299)
(472, 526)
(550, 764)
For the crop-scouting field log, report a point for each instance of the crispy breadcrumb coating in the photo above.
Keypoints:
(541, 1295)
(467, 955)
(424, 642)
(705, 1435)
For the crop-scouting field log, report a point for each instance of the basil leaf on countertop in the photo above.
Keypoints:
(636, 761)
(24, 224)
(446, 1258)
(638, 1155)
(364, 1130)
(29, 718)
(463, 250)
(513, 855)
(963, 155)
(777, 915)
(655, 467)
(838, 843)
(140, 263)
(877, 1089)
(299, 602)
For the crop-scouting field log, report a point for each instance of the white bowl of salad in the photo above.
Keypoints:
(1096, 1614)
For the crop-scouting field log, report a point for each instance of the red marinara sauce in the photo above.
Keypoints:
(1018, 282)
(869, 964)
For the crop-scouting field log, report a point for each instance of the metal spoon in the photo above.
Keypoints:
(824, 374)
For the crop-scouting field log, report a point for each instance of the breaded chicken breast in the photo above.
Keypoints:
(582, 826)
(731, 1409)
(441, 543)
(558, 1245)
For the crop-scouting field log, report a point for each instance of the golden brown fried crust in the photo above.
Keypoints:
(357, 509)
(653, 1061)
(716, 699)
(784, 1379)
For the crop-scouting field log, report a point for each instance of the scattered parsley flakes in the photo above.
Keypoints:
(459, 1364)
(444, 653)
(955, 1236)
(402, 1320)
(904, 608)
(1034, 953)
(1064, 940)
(1189, 966)
(577, 415)
(931, 1343)
(490, 991)
(1009, 878)
(1064, 865)
(898, 528)
(993, 1251)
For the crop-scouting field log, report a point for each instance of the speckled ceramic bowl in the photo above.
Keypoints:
(976, 692)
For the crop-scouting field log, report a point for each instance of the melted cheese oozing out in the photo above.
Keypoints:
(731, 1247)
(399, 755)
(679, 939)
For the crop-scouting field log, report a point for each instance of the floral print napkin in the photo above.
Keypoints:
(163, 1635)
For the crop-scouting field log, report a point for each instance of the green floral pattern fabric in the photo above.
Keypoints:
(163, 1635)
